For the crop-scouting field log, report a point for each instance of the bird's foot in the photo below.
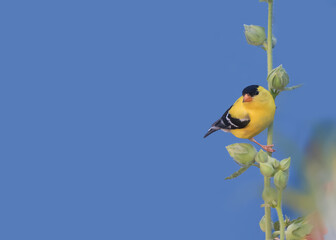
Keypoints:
(268, 148)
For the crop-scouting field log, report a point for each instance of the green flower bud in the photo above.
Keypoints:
(269, 195)
(255, 35)
(275, 163)
(242, 153)
(285, 163)
(273, 204)
(298, 230)
(266, 169)
(278, 78)
(261, 157)
(281, 179)
(262, 224)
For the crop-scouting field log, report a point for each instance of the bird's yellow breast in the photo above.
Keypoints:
(260, 112)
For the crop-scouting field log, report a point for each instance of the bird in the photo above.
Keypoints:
(252, 113)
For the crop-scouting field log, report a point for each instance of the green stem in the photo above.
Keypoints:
(267, 180)
(270, 136)
(280, 216)
(269, 38)
(268, 230)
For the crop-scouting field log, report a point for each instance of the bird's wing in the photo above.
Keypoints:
(235, 117)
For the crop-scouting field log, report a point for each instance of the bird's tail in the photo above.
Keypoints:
(211, 130)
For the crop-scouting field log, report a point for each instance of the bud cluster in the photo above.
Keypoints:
(270, 167)
(245, 155)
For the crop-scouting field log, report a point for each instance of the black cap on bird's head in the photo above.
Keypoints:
(249, 92)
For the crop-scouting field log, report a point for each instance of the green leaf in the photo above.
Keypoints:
(293, 87)
(238, 173)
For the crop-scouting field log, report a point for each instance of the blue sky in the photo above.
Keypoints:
(105, 103)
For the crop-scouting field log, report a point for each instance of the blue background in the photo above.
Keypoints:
(105, 103)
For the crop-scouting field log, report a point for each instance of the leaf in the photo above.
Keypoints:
(238, 173)
(293, 87)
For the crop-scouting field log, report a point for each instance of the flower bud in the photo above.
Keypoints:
(275, 163)
(281, 179)
(269, 195)
(266, 169)
(242, 153)
(278, 78)
(273, 203)
(255, 35)
(298, 229)
(261, 157)
(262, 224)
(285, 163)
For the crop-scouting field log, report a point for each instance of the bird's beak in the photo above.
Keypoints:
(247, 98)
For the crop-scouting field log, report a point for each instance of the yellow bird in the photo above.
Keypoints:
(248, 116)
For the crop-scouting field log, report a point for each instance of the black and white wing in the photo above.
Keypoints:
(227, 122)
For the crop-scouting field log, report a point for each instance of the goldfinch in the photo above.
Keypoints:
(248, 116)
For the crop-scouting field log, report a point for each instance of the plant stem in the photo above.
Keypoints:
(280, 216)
(270, 136)
(269, 38)
(267, 181)
(268, 230)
